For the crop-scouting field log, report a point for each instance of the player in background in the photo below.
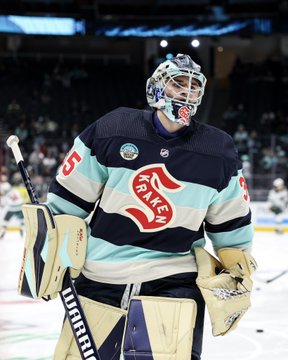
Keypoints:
(278, 201)
(11, 202)
(162, 180)
(17, 184)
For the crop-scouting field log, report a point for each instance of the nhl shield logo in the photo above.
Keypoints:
(164, 153)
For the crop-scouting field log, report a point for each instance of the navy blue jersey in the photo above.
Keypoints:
(152, 199)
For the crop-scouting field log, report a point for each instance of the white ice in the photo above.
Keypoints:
(29, 329)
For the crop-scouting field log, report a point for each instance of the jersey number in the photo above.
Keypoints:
(244, 186)
(70, 163)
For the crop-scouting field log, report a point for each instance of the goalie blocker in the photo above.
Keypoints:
(53, 244)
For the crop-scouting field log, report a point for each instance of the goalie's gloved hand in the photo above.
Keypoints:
(225, 285)
(240, 265)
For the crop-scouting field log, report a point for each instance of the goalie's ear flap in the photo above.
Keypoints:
(207, 264)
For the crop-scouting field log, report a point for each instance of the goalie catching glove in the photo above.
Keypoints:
(53, 244)
(225, 285)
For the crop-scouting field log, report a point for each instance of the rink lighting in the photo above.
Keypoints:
(191, 30)
(169, 56)
(40, 25)
(163, 43)
(195, 43)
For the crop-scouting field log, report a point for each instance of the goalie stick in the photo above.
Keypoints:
(277, 276)
(268, 281)
(68, 294)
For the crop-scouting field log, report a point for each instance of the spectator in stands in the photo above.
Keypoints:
(266, 121)
(229, 119)
(269, 160)
(13, 107)
(241, 139)
(36, 159)
(254, 143)
(22, 131)
(49, 164)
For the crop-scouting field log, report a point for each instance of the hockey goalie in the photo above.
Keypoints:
(154, 184)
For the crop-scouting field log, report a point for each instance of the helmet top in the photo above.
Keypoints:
(278, 182)
(5, 187)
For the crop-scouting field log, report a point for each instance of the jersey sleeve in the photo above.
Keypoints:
(80, 179)
(228, 219)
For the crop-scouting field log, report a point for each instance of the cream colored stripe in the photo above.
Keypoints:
(81, 186)
(230, 209)
(112, 202)
(140, 271)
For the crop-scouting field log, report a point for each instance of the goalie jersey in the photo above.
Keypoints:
(152, 200)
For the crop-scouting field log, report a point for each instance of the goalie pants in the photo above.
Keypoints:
(175, 286)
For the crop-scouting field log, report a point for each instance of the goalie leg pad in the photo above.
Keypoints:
(159, 328)
(107, 325)
(52, 245)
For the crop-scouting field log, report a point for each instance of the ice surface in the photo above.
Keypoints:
(29, 329)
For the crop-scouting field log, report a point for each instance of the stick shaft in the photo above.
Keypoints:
(27, 181)
(12, 142)
(277, 276)
(68, 292)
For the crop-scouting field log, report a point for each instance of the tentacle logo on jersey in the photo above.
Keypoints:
(147, 186)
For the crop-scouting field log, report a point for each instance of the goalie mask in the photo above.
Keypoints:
(176, 88)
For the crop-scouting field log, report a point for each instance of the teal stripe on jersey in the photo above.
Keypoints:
(198, 243)
(119, 179)
(193, 195)
(101, 250)
(89, 166)
(231, 191)
(58, 205)
(241, 237)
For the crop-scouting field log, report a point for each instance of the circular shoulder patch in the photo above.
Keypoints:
(129, 151)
